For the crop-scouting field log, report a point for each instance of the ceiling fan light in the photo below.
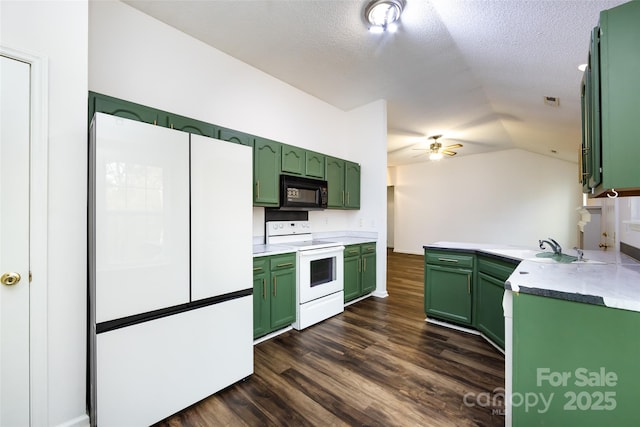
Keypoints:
(435, 156)
(381, 14)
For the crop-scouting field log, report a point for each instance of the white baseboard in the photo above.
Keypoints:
(81, 421)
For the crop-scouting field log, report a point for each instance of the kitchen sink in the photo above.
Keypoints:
(561, 259)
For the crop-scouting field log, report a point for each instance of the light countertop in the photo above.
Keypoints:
(344, 238)
(607, 278)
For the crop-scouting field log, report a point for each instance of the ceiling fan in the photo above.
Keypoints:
(436, 151)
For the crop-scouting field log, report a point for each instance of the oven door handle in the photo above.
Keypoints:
(321, 251)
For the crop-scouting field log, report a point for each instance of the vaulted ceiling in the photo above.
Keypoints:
(475, 71)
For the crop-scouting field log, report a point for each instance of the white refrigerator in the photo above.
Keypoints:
(170, 257)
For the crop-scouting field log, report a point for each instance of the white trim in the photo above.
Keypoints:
(38, 256)
(81, 421)
(272, 335)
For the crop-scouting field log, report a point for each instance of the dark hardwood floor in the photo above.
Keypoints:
(376, 364)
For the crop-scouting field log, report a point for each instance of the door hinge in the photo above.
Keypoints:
(30, 276)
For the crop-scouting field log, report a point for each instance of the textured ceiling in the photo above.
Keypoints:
(475, 71)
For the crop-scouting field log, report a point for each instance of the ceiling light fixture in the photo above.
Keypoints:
(381, 15)
(434, 148)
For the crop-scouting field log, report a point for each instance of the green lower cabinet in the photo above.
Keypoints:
(283, 297)
(274, 293)
(368, 254)
(574, 364)
(261, 301)
(352, 272)
(359, 270)
(488, 314)
(448, 293)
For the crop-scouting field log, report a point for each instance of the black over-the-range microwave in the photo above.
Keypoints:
(305, 194)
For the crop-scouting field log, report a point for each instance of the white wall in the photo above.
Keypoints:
(507, 197)
(148, 62)
(390, 215)
(58, 30)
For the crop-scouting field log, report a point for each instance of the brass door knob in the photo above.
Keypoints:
(10, 278)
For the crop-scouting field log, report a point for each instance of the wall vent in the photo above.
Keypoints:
(552, 101)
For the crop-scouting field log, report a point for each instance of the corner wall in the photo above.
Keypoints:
(58, 31)
(506, 197)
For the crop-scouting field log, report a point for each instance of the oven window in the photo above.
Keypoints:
(322, 271)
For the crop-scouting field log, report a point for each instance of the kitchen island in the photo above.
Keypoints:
(571, 337)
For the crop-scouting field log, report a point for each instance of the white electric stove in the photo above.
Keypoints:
(320, 270)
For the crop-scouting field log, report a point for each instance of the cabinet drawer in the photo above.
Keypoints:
(351, 251)
(494, 268)
(450, 259)
(260, 265)
(280, 262)
(368, 248)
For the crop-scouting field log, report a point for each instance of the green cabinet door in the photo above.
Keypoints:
(335, 182)
(293, 160)
(186, 124)
(234, 136)
(266, 172)
(489, 315)
(99, 103)
(368, 268)
(610, 104)
(315, 165)
(580, 361)
(261, 300)
(283, 297)
(448, 293)
(352, 272)
(352, 185)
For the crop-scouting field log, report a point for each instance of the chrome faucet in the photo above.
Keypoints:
(580, 253)
(555, 246)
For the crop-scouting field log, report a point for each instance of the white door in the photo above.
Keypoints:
(141, 217)
(14, 242)
(220, 211)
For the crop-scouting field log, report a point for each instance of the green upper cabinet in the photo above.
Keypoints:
(270, 158)
(611, 104)
(352, 185)
(315, 165)
(234, 136)
(335, 182)
(293, 160)
(186, 124)
(266, 172)
(99, 103)
(343, 180)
